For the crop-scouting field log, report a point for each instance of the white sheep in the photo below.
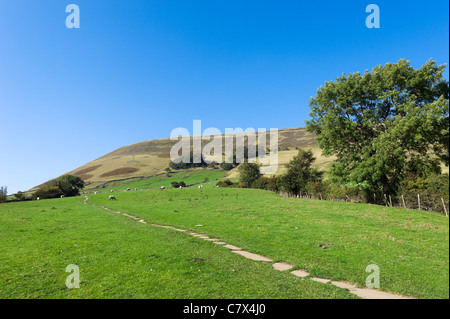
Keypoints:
(163, 187)
(112, 197)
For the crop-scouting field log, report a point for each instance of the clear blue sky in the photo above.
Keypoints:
(135, 70)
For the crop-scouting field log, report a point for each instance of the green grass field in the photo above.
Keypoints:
(120, 258)
(189, 177)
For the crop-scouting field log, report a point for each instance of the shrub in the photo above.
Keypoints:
(20, 196)
(48, 192)
(213, 165)
(178, 184)
(432, 190)
(261, 183)
(225, 183)
(67, 185)
(226, 166)
(189, 164)
(249, 173)
(318, 189)
(3, 194)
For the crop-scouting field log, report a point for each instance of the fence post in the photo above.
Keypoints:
(403, 200)
(445, 208)
(418, 200)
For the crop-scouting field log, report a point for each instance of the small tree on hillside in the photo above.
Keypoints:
(3, 194)
(20, 196)
(249, 173)
(70, 185)
(300, 172)
(47, 192)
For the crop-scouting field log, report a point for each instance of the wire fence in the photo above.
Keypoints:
(423, 202)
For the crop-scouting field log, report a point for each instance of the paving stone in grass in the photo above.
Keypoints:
(282, 266)
(252, 256)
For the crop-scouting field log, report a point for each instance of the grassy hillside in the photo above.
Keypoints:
(189, 177)
(121, 258)
(150, 158)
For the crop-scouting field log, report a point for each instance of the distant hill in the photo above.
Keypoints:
(150, 158)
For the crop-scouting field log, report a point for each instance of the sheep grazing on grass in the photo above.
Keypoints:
(62, 196)
(112, 197)
(128, 189)
(38, 198)
(112, 191)
(163, 187)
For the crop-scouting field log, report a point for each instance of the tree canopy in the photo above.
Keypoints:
(3, 194)
(300, 172)
(67, 185)
(249, 173)
(384, 123)
(70, 185)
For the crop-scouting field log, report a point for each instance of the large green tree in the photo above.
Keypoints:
(384, 123)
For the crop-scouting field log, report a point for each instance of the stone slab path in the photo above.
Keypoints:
(364, 293)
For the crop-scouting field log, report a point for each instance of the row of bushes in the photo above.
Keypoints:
(178, 184)
(67, 185)
(226, 166)
(432, 191)
(302, 179)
